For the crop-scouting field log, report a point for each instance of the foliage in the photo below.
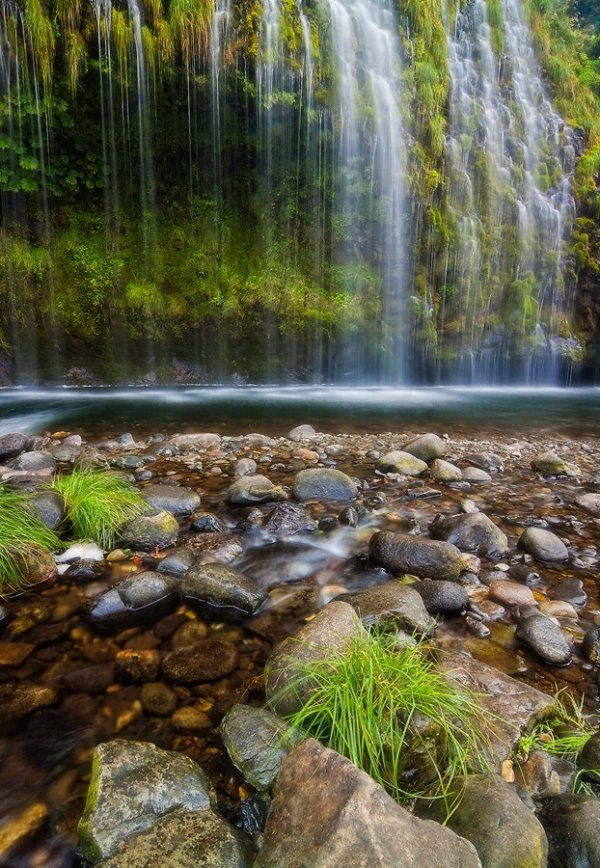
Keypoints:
(372, 700)
(21, 534)
(98, 503)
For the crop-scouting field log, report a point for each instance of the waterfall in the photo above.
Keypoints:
(509, 159)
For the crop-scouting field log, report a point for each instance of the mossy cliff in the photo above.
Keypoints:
(170, 188)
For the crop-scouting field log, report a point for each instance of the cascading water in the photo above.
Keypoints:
(509, 159)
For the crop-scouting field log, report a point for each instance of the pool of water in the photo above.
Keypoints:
(276, 409)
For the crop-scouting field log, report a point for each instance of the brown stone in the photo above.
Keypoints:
(204, 661)
(138, 666)
(14, 653)
(511, 594)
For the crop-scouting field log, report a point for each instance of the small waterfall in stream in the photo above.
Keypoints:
(295, 158)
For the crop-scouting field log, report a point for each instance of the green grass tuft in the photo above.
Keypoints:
(98, 503)
(21, 533)
(397, 717)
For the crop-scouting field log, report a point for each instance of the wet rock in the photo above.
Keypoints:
(206, 522)
(571, 591)
(257, 743)
(49, 507)
(194, 442)
(177, 562)
(471, 533)
(287, 519)
(348, 517)
(182, 840)
(403, 553)
(14, 653)
(137, 666)
(11, 445)
(37, 566)
(302, 432)
(589, 502)
(543, 545)
(323, 484)
(427, 447)
(19, 700)
(20, 828)
(157, 698)
(171, 498)
(205, 661)
(85, 570)
(538, 776)
(443, 471)
(551, 464)
(545, 638)
(488, 461)
(571, 823)
(503, 830)
(558, 609)
(495, 655)
(254, 489)
(509, 593)
(591, 645)
(133, 784)
(140, 599)
(89, 679)
(401, 462)
(220, 592)
(442, 598)
(34, 462)
(283, 562)
(330, 632)
(513, 706)
(149, 532)
(188, 634)
(392, 604)
(190, 719)
(475, 475)
(326, 813)
(588, 760)
(223, 547)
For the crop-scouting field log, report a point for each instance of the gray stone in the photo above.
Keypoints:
(177, 562)
(140, 599)
(551, 464)
(181, 840)
(12, 444)
(505, 833)
(471, 533)
(257, 743)
(132, 785)
(488, 461)
(570, 591)
(401, 462)
(326, 813)
(287, 519)
(302, 432)
(404, 553)
(149, 532)
(323, 484)
(205, 661)
(392, 604)
(571, 823)
(427, 447)
(329, 633)
(442, 598)
(512, 706)
(66, 454)
(209, 547)
(194, 442)
(475, 475)
(206, 522)
(34, 462)
(245, 467)
(543, 545)
(254, 489)
(171, 498)
(220, 592)
(49, 506)
(443, 471)
(544, 637)
(590, 502)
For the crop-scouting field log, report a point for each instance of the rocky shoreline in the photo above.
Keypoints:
(161, 644)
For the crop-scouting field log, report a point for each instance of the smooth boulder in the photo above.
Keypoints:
(442, 598)
(220, 592)
(392, 604)
(322, 483)
(140, 599)
(149, 532)
(404, 553)
(171, 498)
(427, 447)
(471, 533)
(544, 637)
(401, 462)
(543, 545)
(254, 489)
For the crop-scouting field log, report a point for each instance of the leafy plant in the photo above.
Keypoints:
(397, 717)
(98, 503)
(22, 533)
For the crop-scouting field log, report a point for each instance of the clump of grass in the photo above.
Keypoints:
(389, 711)
(98, 503)
(21, 534)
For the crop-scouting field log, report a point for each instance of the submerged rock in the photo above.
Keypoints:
(205, 661)
(401, 462)
(471, 533)
(149, 532)
(17, 701)
(323, 484)
(254, 489)
(543, 545)
(171, 498)
(326, 813)
(490, 814)
(571, 823)
(220, 592)
(403, 553)
(140, 599)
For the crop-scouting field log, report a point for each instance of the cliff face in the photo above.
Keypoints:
(307, 191)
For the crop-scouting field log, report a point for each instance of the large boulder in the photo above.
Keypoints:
(326, 813)
(257, 743)
(543, 545)
(427, 447)
(149, 532)
(323, 483)
(254, 489)
(330, 632)
(505, 833)
(220, 592)
(572, 823)
(471, 533)
(392, 604)
(172, 498)
(403, 553)
(132, 785)
(401, 462)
